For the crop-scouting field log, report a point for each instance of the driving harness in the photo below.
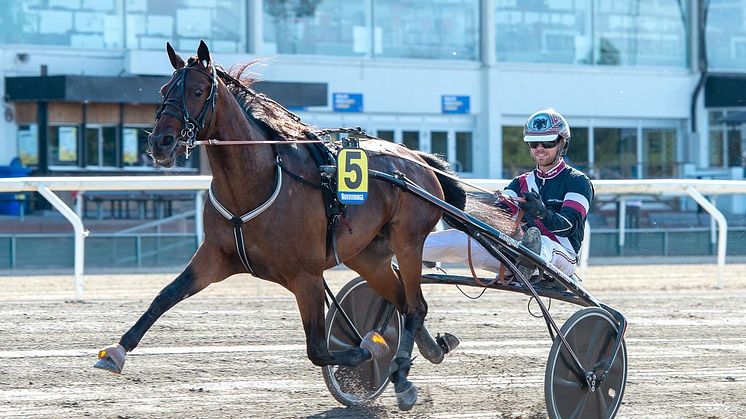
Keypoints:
(325, 160)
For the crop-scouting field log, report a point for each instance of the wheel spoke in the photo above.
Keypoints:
(567, 384)
(578, 412)
(603, 408)
(338, 343)
(594, 339)
(375, 376)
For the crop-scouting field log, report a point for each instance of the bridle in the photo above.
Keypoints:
(176, 107)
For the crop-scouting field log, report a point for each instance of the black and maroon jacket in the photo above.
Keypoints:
(566, 192)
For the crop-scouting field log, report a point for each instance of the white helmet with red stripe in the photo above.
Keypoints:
(547, 125)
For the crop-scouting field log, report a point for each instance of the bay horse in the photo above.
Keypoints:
(286, 243)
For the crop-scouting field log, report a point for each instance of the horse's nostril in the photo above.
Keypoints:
(168, 140)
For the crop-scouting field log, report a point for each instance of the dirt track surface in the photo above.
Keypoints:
(237, 350)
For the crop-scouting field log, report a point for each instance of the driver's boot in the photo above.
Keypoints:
(532, 241)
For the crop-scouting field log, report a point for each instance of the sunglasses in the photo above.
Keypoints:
(545, 144)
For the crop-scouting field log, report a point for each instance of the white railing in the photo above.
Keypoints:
(46, 185)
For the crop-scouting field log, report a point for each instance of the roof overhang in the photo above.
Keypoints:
(725, 91)
(141, 90)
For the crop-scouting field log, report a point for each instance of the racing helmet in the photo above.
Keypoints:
(547, 125)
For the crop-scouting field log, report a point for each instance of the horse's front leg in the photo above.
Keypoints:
(309, 294)
(207, 266)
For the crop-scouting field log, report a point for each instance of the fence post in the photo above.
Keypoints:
(722, 230)
(80, 234)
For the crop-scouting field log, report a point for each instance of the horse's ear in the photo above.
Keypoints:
(203, 54)
(176, 60)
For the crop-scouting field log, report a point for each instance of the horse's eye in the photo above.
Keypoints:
(198, 92)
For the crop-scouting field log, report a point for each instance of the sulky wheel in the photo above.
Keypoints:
(591, 333)
(353, 386)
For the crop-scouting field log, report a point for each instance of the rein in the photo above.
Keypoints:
(216, 142)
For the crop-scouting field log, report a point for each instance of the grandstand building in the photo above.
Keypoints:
(652, 89)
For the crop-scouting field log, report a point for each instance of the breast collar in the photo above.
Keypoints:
(553, 172)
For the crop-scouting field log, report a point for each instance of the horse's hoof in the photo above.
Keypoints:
(429, 347)
(375, 344)
(447, 342)
(111, 359)
(407, 398)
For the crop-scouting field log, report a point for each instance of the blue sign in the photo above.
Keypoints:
(347, 102)
(454, 104)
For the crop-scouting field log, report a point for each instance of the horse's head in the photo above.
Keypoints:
(189, 100)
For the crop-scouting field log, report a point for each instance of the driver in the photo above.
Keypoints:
(555, 198)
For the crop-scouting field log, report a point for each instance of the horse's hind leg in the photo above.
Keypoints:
(309, 294)
(207, 266)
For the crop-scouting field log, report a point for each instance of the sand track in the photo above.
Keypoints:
(237, 350)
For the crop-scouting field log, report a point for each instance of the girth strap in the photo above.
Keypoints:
(238, 222)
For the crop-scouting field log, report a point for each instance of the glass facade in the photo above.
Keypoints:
(726, 35)
(609, 153)
(440, 29)
(431, 29)
(517, 158)
(89, 24)
(134, 24)
(595, 32)
(316, 27)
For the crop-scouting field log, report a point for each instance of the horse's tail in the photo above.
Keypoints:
(452, 190)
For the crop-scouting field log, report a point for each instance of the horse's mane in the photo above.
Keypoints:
(281, 123)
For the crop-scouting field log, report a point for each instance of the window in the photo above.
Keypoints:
(595, 32)
(221, 23)
(726, 35)
(735, 154)
(659, 153)
(717, 151)
(411, 139)
(312, 27)
(79, 24)
(428, 29)
(727, 138)
(615, 152)
(386, 134)
(464, 152)
(577, 154)
(516, 157)
(431, 29)
(546, 32)
(439, 143)
(62, 147)
(100, 146)
(132, 24)
(640, 33)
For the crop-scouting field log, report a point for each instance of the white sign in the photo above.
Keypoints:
(129, 146)
(28, 146)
